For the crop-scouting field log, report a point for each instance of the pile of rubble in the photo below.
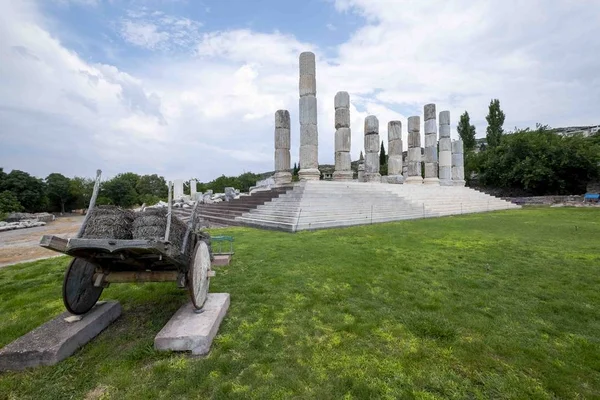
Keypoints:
(204, 198)
(25, 220)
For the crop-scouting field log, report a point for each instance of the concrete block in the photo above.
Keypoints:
(189, 331)
(222, 259)
(395, 130)
(430, 127)
(309, 157)
(342, 161)
(282, 138)
(342, 118)
(307, 63)
(371, 124)
(57, 339)
(431, 140)
(309, 135)
(307, 85)
(429, 111)
(445, 131)
(341, 100)
(444, 118)
(282, 119)
(343, 139)
(372, 144)
(414, 124)
(395, 147)
(308, 110)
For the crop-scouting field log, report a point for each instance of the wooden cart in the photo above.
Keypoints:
(100, 262)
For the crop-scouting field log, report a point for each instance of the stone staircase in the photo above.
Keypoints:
(225, 213)
(328, 204)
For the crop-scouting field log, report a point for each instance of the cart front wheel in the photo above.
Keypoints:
(79, 292)
(198, 275)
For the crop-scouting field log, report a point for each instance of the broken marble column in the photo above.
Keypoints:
(414, 151)
(431, 151)
(361, 171)
(395, 152)
(309, 136)
(372, 149)
(445, 150)
(282, 148)
(178, 189)
(193, 187)
(458, 164)
(343, 170)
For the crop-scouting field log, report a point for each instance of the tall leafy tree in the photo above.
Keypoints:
(382, 155)
(495, 120)
(58, 188)
(29, 190)
(9, 203)
(466, 131)
(81, 190)
(120, 190)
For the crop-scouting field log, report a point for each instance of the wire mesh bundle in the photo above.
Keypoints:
(151, 224)
(108, 222)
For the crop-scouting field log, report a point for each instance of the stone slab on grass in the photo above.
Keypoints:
(221, 260)
(57, 339)
(188, 331)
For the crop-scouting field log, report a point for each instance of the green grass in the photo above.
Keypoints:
(496, 305)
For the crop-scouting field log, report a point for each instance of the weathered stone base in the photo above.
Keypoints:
(189, 331)
(413, 180)
(343, 175)
(458, 183)
(309, 174)
(373, 177)
(393, 179)
(446, 182)
(282, 178)
(57, 339)
(431, 181)
(221, 260)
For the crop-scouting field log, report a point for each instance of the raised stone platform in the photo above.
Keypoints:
(189, 331)
(330, 204)
(57, 339)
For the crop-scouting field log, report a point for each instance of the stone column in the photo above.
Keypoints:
(445, 146)
(395, 152)
(414, 151)
(282, 148)
(343, 171)
(361, 171)
(431, 152)
(309, 137)
(458, 164)
(178, 189)
(372, 149)
(193, 189)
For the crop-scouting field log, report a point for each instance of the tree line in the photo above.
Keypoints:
(20, 191)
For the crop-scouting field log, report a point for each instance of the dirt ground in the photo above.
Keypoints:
(23, 244)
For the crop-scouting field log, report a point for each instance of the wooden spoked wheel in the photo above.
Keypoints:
(79, 292)
(199, 275)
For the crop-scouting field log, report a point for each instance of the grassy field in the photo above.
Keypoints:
(497, 305)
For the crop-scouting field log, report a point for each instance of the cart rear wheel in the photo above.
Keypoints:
(79, 292)
(198, 275)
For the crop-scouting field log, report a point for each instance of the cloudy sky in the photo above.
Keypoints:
(189, 88)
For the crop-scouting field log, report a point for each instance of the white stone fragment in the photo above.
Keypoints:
(394, 130)
(429, 111)
(445, 131)
(372, 144)
(371, 124)
(341, 100)
(342, 118)
(342, 139)
(444, 118)
(308, 110)
(430, 127)
(309, 135)
(307, 85)
(282, 119)
(414, 124)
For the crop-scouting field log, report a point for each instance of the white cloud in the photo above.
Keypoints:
(211, 110)
(159, 31)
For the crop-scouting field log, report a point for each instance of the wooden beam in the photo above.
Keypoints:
(54, 243)
(139, 276)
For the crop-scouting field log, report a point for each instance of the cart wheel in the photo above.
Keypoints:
(198, 275)
(79, 292)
